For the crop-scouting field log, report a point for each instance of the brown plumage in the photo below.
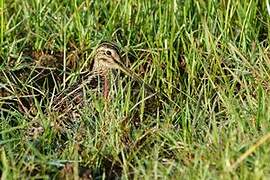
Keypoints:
(107, 57)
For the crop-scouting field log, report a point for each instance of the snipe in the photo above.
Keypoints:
(107, 57)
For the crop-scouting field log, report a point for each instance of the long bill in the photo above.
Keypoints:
(135, 76)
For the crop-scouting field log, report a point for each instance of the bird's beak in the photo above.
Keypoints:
(130, 73)
(127, 71)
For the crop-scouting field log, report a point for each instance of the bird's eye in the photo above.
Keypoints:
(108, 53)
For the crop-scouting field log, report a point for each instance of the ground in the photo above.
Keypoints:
(210, 58)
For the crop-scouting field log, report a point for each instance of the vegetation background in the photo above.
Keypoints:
(210, 57)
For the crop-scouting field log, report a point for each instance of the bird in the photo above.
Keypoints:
(107, 57)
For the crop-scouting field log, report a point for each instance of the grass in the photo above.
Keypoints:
(211, 58)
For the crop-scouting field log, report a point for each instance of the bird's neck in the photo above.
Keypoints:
(103, 73)
(97, 67)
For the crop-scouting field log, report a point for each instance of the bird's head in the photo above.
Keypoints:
(107, 57)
